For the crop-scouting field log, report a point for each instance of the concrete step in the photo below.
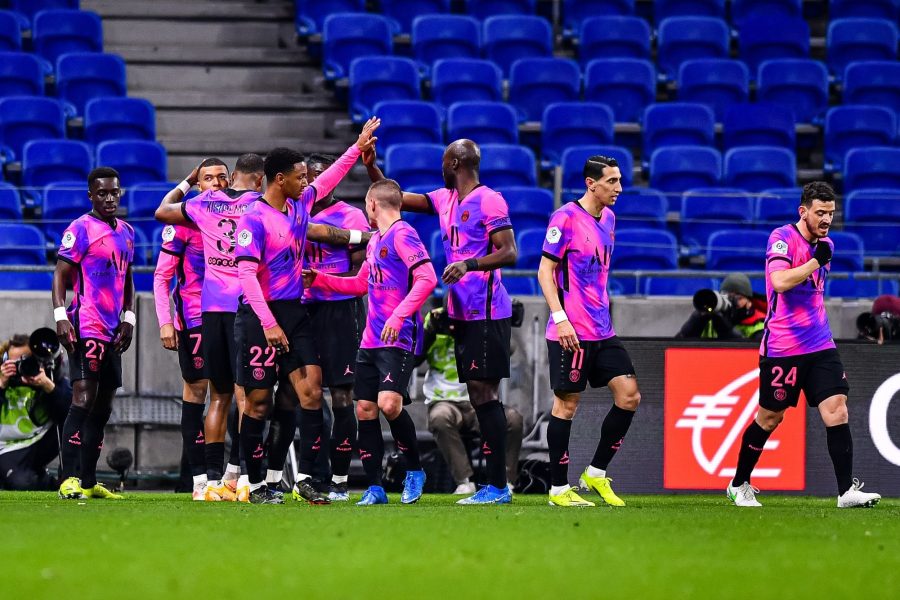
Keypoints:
(223, 10)
(181, 34)
(260, 145)
(212, 56)
(228, 80)
(232, 124)
(245, 100)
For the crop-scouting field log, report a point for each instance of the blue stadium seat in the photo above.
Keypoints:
(678, 286)
(484, 122)
(849, 250)
(610, 36)
(536, 82)
(649, 249)
(507, 39)
(567, 124)
(641, 207)
(10, 32)
(21, 245)
(705, 211)
(773, 9)
(576, 11)
(25, 118)
(873, 167)
(504, 165)
(404, 12)
(137, 161)
(529, 242)
(758, 124)
(438, 255)
(777, 206)
(445, 36)
(573, 159)
(424, 224)
(680, 168)
(688, 38)
(348, 36)
(47, 161)
(415, 164)
(63, 202)
(143, 248)
(716, 82)
(848, 127)
(81, 76)
(859, 288)
(874, 215)
(664, 9)
(521, 286)
(876, 9)
(763, 39)
(465, 79)
(851, 40)
(57, 32)
(311, 14)
(798, 84)
(627, 85)
(408, 122)
(26, 281)
(20, 75)
(482, 9)
(677, 124)
(119, 119)
(379, 78)
(737, 250)
(875, 82)
(29, 8)
(529, 207)
(756, 168)
(142, 199)
(10, 203)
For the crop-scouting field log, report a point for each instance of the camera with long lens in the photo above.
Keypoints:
(711, 301)
(883, 326)
(44, 346)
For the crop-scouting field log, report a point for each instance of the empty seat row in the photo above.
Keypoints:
(54, 32)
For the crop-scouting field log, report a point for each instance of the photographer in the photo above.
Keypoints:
(732, 313)
(32, 403)
(883, 323)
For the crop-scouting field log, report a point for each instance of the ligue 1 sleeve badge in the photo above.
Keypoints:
(168, 234)
(245, 238)
(68, 240)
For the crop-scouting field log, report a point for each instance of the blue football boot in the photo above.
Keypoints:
(412, 487)
(489, 495)
(374, 495)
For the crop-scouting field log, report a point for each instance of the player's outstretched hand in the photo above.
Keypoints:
(568, 339)
(66, 334)
(168, 337)
(122, 339)
(822, 253)
(454, 272)
(366, 140)
(309, 276)
(391, 330)
(276, 339)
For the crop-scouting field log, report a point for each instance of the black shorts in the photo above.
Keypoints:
(820, 375)
(96, 360)
(382, 370)
(597, 362)
(337, 330)
(190, 354)
(482, 349)
(259, 366)
(219, 349)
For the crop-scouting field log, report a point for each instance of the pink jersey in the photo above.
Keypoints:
(582, 245)
(181, 257)
(101, 254)
(216, 213)
(796, 322)
(466, 229)
(326, 258)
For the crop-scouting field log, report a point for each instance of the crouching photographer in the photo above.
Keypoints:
(732, 313)
(34, 399)
(882, 325)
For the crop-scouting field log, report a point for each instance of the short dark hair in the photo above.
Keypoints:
(321, 159)
(817, 190)
(212, 161)
(280, 160)
(387, 191)
(101, 173)
(593, 166)
(249, 163)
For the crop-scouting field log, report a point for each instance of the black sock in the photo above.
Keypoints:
(234, 454)
(343, 440)
(492, 423)
(281, 436)
(840, 448)
(71, 441)
(252, 447)
(311, 423)
(92, 443)
(215, 457)
(404, 431)
(371, 450)
(192, 436)
(612, 432)
(752, 443)
(558, 441)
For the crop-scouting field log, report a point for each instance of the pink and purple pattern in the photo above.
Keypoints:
(327, 258)
(185, 244)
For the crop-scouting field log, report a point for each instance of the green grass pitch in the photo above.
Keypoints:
(165, 546)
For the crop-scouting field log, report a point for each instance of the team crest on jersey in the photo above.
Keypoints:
(780, 394)
(168, 234)
(93, 365)
(553, 235)
(383, 252)
(198, 362)
(780, 247)
(465, 216)
(68, 240)
(245, 237)
(258, 374)
(574, 375)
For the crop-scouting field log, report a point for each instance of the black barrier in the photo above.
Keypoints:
(641, 467)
